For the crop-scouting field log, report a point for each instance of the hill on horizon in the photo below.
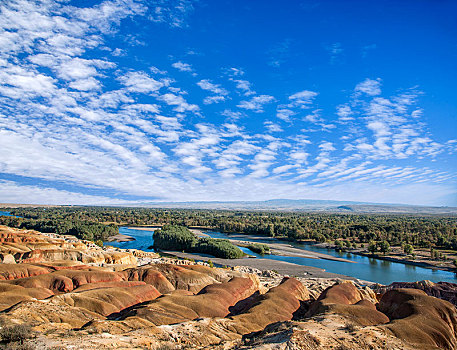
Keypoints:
(308, 205)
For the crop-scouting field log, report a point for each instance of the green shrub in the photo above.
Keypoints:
(259, 248)
(220, 248)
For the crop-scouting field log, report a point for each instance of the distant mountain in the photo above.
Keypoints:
(310, 205)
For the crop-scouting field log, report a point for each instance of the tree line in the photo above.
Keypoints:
(179, 238)
(88, 230)
(415, 230)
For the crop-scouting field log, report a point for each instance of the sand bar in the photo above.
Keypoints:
(282, 267)
(120, 238)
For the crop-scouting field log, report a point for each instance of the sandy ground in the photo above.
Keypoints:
(120, 238)
(283, 249)
(282, 267)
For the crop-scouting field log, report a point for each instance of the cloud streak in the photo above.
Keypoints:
(75, 111)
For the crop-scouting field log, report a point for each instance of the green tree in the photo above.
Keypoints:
(408, 249)
(384, 246)
(271, 230)
(339, 245)
(372, 247)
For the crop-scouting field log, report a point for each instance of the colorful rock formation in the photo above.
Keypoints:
(95, 299)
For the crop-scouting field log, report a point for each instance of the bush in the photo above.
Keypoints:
(16, 333)
(259, 248)
(220, 248)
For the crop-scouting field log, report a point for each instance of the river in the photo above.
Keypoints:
(365, 268)
(5, 213)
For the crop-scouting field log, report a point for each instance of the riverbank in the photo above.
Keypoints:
(396, 255)
(352, 262)
(283, 249)
(281, 267)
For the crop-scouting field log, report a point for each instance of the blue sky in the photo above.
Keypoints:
(129, 101)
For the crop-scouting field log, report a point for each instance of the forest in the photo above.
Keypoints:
(173, 237)
(100, 222)
(83, 229)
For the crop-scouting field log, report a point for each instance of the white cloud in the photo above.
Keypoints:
(220, 93)
(272, 127)
(141, 82)
(183, 67)
(327, 146)
(344, 112)
(282, 169)
(284, 114)
(299, 156)
(244, 86)
(205, 84)
(85, 84)
(369, 87)
(180, 103)
(12, 192)
(256, 103)
(231, 114)
(127, 129)
(303, 98)
(213, 99)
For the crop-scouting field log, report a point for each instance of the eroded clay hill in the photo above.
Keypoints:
(85, 304)
(28, 246)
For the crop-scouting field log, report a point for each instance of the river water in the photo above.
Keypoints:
(5, 213)
(365, 268)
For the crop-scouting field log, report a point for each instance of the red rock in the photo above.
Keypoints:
(106, 301)
(278, 304)
(15, 271)
(346, 299)
(421, 320)
(442, 290)
(183, 278)
(213, 301)
(149, 276)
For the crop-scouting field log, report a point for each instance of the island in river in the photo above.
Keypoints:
(307, 259)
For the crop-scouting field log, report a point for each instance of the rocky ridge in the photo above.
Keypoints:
(76, 295)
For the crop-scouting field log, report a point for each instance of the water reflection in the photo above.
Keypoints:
(366, 268)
